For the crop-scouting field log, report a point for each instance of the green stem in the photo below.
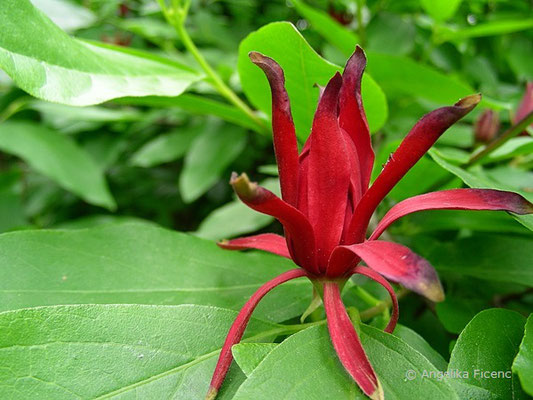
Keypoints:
(500, 140)
(382, 307)
(14, 107)
(510, 133)
(176, 17)
(366, 297)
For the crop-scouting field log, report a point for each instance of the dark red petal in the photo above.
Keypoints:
(328, 174)
(297, 226)
(347, 343)
(456, 199)
(413, 147)
(239, 325)
(394, 262)
(352, 116)
(266, 241)
(284, 134)
(370, 273)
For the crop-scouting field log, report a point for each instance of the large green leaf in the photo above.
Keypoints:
(140, 264)
(47, 63)
(523, 363)
(166, 147)
(197, 105)
(249, 355)
(488, 346)
(210, 153)
(303, 69)
(493, 257)
(305, 366)
(58, 157)
(115, 351)
(418, 343)
(491, 28)
(392, 72)
(477, 178)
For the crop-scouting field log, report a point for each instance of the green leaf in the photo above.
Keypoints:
(11, 212)
(210, 153)
(303, 69)
(115, 351)
(249, 355)
(455, 313)
(70, 119)
(523, 363)
(167, 147)
(476, 178)
(441, 10)
(485, 256)
(139, 264)
(197, 105)
(59, 158)
(518, 57)
(418, 343)
(514, 147)
(488, 345)
(491, 28)
(50, 65)
(406, 76)
(235, 218)
(452, 220)
(305, 366)
(391, 34)
(391, 72)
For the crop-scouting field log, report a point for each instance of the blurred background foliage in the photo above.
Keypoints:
(168, 159)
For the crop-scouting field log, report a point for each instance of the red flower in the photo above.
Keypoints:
(327, 204)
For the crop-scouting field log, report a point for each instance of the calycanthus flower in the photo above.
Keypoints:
(327, 204)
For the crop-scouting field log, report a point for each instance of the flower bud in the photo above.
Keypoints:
(487, 126)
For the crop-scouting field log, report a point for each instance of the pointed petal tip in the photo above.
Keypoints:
(469, 102)
(433, 291)
(242, 186)
(378, 394)
(211, 394)
(270, 67)
(258, 58)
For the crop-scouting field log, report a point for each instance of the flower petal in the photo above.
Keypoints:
(352, 116)
(284, 135)
(394, 262)
(347, 343)
(298, 230)
(370, 273)
(266, 241)
(413, 147)
(239, 325)
(328, 174)
(456, 199)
